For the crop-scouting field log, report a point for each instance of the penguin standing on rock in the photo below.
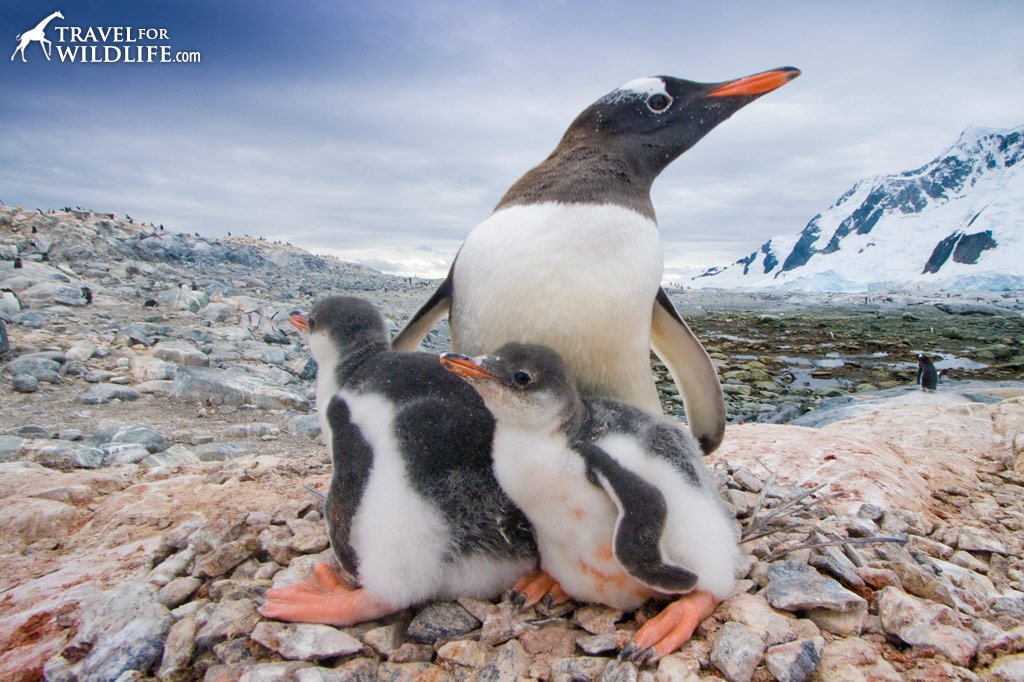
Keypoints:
(927, 377)
(413, 511)
(622, 507)
(571, 256)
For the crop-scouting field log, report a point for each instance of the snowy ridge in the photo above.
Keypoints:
(955, 223)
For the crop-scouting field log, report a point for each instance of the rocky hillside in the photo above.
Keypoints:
(156, 432)
(955, 223)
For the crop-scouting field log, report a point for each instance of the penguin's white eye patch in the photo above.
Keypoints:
(659, 102)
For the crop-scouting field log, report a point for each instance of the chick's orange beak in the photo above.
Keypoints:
(298, 321)
(465, 367)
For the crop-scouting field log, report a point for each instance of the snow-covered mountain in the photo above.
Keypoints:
(955, 223)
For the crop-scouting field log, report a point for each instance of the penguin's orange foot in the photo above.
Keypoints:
(535, 586)
(667, 631)
(325, 598)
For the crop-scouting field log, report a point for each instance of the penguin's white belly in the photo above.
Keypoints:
(579, 278)
(573, 520)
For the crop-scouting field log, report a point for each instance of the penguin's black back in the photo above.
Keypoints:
(445, 435)
(927, 377)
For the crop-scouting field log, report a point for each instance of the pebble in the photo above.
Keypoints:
(104, 393)
(794, 661)
(232, 618)
(305, 642)
(794, 586)
(24, 383)
(441, 620)
(922, 623)
(737, 652)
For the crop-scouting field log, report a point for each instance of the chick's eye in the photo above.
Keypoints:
(311, 322)
(522, 378)
(658, 102)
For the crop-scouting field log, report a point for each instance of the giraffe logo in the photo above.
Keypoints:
(38, 34)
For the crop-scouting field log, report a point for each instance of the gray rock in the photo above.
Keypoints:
(233, 618)
(104, 393)
(441, 620)
(184, 298)
(136, 333)
(178, 591)
(139, 645)
(219, 452)
(63, 455)
(511, 662)
(926, 624)
(251, 430)
(225, 557)
(29, 318)
(578, 668)
(305, 425)
(24, 383)
(98, 376)
(737, 652)
(358, 670)
(10, 447)
(1007, 669)
(147, 368)
(127, 453)
(172, 456)
(386, 638)
(138, 434)
(178, 648)
(180, 352)
(233, 387)
(305, 642)
(217, 312)
(80, 351)
(33, 366)
(794, 661)
(794, 586)
(620, 671)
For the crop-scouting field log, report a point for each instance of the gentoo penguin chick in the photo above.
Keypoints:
(927, 377)
(571, 256)
(413, 511)
(622, 507)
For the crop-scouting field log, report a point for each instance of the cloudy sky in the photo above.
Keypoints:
(383, 132)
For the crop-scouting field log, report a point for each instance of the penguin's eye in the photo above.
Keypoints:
(658, 102)
(311, 323)
(522, 378)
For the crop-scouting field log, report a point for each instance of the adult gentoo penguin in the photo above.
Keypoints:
(927, 377)
(571, 256)
(622, 507)
(413, 511)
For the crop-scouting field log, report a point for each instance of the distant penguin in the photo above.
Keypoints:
(413, 511)
(927, 377)
(87, 295)
(149, 303)
(571, 256)
(17, 264)
(5, 345)
(9, 301)
(622, 506)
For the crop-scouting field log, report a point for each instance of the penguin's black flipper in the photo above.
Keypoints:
(636, 542)
(692, 371)
(427, 316)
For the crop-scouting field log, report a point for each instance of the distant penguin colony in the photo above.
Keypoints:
(621, 504)
(927, 376)
(413, 511)
(571, 256)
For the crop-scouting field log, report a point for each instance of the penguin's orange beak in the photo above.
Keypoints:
(758, 84)
(465, 367)
(298, 321)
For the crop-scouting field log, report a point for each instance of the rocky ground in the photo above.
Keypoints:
(156, 434)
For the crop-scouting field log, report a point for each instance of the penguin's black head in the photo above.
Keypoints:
(923, 359)
(527, 385)
(617, 146)
(341, 327)
(653, 120)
